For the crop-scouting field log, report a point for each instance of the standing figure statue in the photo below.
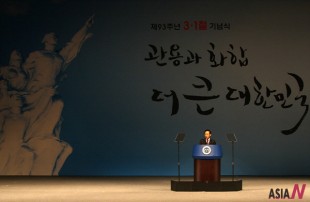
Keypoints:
(41, 108)
(16, 158)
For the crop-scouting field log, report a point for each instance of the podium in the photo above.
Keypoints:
(207, 172)
(207, 163)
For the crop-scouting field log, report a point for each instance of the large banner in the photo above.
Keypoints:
(103, 87)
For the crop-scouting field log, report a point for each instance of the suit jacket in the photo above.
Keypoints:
(203, 141)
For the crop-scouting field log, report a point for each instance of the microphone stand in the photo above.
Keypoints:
(179, 164)
(179, 138)
(233, 160)
(232, 138)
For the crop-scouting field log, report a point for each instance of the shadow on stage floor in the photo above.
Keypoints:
(123, 189)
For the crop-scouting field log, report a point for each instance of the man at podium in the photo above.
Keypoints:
(207, 139)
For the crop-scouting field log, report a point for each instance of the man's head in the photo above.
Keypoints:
(207, 134)
(50, 39)
(15, 59)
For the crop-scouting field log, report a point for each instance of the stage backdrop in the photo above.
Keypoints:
(103, 87)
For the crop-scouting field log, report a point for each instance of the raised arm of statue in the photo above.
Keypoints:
(70, 51)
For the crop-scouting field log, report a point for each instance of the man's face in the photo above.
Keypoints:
(207, 134)
(50, 39)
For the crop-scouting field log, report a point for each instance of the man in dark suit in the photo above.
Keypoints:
(207, 139)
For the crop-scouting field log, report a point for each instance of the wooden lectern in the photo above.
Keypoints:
(207, 163)
(207, 172)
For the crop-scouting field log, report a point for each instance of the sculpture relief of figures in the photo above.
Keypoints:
(30, 110)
